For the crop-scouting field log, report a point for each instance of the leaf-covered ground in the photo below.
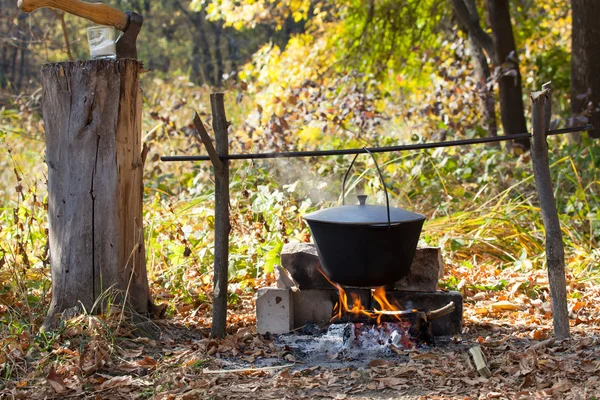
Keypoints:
(106, 358)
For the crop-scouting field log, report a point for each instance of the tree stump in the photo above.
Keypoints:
(92, 114)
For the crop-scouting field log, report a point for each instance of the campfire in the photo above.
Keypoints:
(326, 319)
(386, 323)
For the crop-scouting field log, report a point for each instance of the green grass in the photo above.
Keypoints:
(480, 202)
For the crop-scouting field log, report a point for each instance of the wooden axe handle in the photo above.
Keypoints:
(96, 12)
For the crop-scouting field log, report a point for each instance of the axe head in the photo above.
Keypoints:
(127, 43)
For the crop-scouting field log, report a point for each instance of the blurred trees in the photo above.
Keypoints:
(585, 64)
(411, 57)
(501, 49)
(509, 77)
(175, 39)
(15, 54)
(479, 43)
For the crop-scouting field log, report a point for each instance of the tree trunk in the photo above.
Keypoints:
(201, 58)
(92, 113)
(585, 64)
(479, 43)
(19, 82)
(13, 67)
(218, 58)
(509, 82)
(486, 97)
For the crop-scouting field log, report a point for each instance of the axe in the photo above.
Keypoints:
(129, 23)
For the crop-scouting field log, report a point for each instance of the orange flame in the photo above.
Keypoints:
(341, 308)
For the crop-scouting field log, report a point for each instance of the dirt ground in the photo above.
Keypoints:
(98, 358)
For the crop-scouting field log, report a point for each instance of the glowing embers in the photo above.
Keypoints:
(396, 335)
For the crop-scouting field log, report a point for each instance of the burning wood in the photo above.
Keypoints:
(387, 311)
(386, 322)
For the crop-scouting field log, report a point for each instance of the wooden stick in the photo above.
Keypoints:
(555, 253)
(440, 312)
(480, 362)
(205, 139)
(232, 371)
(222, 226)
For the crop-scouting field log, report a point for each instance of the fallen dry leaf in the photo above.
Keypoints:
(147, 362)
(474, 382)
(56, 381)
(421, 356)
(117, 381)
(390, 382)
(379, 363)
(505, 305)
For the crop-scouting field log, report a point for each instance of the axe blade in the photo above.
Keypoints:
(127, 43)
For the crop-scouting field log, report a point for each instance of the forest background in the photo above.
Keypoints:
(302, 74)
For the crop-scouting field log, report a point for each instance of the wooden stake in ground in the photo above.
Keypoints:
(222, 226)
(555, 253)
(92, 115)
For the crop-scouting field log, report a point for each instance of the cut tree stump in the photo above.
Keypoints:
(92, 113)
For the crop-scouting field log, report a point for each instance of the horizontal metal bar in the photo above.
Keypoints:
(572, 129)
(387, 149)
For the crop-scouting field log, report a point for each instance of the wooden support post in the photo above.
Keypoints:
(555, 253)
(92, 114)
(222, 226)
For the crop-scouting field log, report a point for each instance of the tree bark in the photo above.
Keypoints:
(485, 96)
(222, 225)
(92, 113)
(479, 41)
(218, 58)
(509, 81)
(585, 64)
(466, 12)
(555, 253)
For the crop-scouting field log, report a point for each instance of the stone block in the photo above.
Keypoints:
(302, 262)
(313, 306)
(274, 311)
(450, 324)
(283, 278)
(426, 270)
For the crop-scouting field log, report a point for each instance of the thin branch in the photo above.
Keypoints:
(63, 25)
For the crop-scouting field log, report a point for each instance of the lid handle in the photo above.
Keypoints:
(362, 199)
(363, 202)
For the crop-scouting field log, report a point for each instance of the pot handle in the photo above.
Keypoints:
(387, 199)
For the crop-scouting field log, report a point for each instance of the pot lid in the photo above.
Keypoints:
(363, 215)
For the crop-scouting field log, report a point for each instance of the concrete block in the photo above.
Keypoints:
(450, 324)
(426, 270)
(274, 311)
(302, 262)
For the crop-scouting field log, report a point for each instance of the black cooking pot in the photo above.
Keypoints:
(365, 245)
